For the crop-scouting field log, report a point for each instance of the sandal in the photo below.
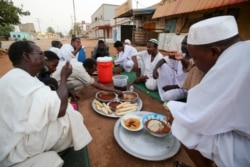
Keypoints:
(180, 164)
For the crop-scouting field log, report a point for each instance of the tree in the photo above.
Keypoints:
(60, 34)
(50, 30)
(10, 14)
(77, 30)
(5, 30)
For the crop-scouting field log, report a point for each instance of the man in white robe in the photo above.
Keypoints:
(171, 74)
(70, 51)
(80, 77)
(215, 119)
(35, 122)
(125, 54)
(146, 61)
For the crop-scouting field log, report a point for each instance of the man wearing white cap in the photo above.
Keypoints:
(146, 62)
(215, 119)
(127, 42)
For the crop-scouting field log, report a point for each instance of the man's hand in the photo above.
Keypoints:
(176, 55)
(118, 92)
(66, 70)
(155, 74)
(169, 87)
(140, 79)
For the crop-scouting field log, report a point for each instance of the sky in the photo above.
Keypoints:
(59, 14)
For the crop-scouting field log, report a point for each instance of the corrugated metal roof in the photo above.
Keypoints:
(185, 6)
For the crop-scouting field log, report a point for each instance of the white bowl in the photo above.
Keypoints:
(131, 122)
(163, 121)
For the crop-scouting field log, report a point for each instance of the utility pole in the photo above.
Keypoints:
(38, 21)
(75, 31)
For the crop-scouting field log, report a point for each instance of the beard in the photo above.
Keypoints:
(44, 68)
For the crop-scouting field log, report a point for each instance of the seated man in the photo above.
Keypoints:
(145, 62)
(125, 54)
(100, 50)
(170, 87)
(80, 76)
(52, 61)
(38, 122)
(70, 51)
(214, 123)
(55, 46)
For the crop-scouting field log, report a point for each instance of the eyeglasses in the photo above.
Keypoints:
(39, 53)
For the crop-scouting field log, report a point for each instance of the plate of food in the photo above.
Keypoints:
(142, 144)
(121, 108)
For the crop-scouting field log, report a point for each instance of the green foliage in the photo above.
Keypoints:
(50, 30)
(60, 34)
(77, 30)
(5, 30)
(9, 14)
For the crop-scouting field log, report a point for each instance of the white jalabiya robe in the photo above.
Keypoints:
(171, 73)
(65, 52)
(147, 67)
(215, 120)
(79, 77)
(28, 120)
(125, 57)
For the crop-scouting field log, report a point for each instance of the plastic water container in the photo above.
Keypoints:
(120, 82)
(104, 69)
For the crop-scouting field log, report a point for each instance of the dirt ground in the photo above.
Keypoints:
(98, 147)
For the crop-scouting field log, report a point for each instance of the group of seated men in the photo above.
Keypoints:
(166, 74)
(36, 123)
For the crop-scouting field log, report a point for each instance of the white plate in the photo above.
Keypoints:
(143, 145)
(139, 101)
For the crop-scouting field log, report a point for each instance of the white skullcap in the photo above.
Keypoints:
(155, 41)
(127, 41)
(212, 30)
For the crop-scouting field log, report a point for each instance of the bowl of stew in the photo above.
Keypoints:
(156, 124)
(105, 96)
(131, 122)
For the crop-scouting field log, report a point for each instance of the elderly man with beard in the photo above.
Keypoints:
(36, 122)
(214, 123)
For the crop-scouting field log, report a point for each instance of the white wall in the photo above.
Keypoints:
(170, 41)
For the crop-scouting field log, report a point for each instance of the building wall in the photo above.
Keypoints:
(101, 17)
(109, 11)
(28, 27)
(20, 36)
